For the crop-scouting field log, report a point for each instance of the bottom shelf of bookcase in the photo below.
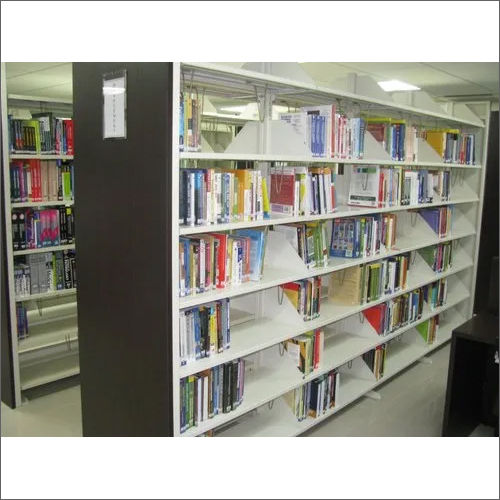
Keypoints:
(279, 421)
(48, 371)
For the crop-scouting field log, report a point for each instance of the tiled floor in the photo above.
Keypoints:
(412, 405)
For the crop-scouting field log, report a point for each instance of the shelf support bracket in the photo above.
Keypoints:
(373, 395)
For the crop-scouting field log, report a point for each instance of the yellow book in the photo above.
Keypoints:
(345, 285)
(244, 194)
(265, 198)
(213, 330)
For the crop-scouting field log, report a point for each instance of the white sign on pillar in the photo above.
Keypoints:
(114, 93)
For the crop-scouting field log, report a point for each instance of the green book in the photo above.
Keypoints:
(423, 329)
(429, 255)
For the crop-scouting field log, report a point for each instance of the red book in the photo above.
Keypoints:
(317, 335)
(70, 149)
(375, 316)
(282, 195)
(221, 259)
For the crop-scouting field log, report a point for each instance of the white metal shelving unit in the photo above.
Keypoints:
(268, 378)
(50, 352)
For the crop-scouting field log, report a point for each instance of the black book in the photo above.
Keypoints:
(15, 231)
(234, 385)
(22, 232)
(63, 230)
(67, 270)
(225, 388)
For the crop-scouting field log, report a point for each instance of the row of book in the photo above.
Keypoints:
(428, 329)
(309, 241)
(41, 180)
(328, 132)
(369, 282)
(302, 191)
(374, 186)
(45, 272)
(211, 392)
(307, 350)
(210, 196)
(355, 237)
(436, 293)
(398, 139)
(375, 360)
(439, 219)
(190, 110)
(316, 397)
(43, 134)
(21, 321)
(204, 331)
(452, 145)
(387, 317)
(438, 257)
(305, 296)
(217, 260)
(42, 228)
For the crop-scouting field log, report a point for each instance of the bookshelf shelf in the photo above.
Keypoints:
(55, 248)
(21, 156)
(264, 144)
(280, 421)
(27, 204)
(45, 372)
(269, 383)
(45, 316)
(313, 160)
(273, 276)
(264, 332)
(240, 82)
(46, 295)
(342, 211)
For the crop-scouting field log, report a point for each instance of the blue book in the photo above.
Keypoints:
(431, 216)
(256, 250)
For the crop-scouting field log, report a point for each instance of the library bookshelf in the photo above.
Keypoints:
(50, 350)
(130, 336)
(269, 375)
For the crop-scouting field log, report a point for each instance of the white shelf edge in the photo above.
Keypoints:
(46, 295)
(264, 78)
(293, 331)
(44, 249)
(257, 286)
(352, 212)
(227, 417)
(24, 204)
(193, 155)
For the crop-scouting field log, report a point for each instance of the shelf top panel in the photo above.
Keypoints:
(236, 82)
(305, 159)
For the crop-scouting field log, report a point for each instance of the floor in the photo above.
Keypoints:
(411, 404)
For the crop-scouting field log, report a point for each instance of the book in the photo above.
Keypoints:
(305, 296)
(211, 392)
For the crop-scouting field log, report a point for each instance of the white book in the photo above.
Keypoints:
(218, 195)
(309, 195)
(322, 202)
(192, 214)
(205, 398)
(296, 199)
(202, 265)
(328, 191)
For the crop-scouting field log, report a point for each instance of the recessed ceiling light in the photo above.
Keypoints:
(395, 85)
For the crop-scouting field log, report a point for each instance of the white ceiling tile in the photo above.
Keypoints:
(14, 69)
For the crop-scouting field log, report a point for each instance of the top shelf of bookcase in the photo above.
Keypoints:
(225, 81)
(310, 159)
(40, 157)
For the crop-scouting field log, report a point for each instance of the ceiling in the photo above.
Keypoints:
(445, 80)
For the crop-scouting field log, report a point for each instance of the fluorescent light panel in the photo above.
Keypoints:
(395, 85)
